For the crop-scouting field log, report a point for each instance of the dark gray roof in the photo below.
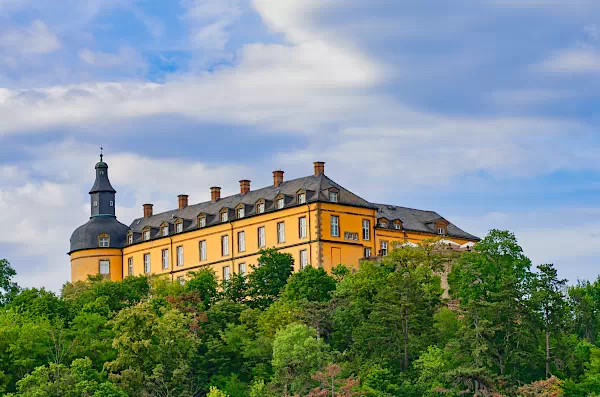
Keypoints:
(102, 184)
(86, 236)
(316, 186)
(419, 220)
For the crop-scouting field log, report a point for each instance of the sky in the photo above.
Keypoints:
(486, 111)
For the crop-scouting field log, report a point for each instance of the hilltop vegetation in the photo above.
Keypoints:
(507, 329)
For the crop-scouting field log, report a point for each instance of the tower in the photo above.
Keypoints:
(96, 247)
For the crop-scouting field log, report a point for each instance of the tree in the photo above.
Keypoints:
(297, 354)
(584, 299)
(8, 288)
(269, 278)
(548, 298)
(236, 288)
(203, 282)
(312, 284)
(214, 392)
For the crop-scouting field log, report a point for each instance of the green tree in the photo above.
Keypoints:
(584, 299)
(312, 284)
(8, 288)
(203, 282)
(39, 303)
(236, 288)
(297, 354)
(268, 279)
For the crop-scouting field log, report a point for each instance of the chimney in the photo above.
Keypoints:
(277, 177)
(183, 201)
(147, 210)
(215, 193)
(244, 186)
(319, 167)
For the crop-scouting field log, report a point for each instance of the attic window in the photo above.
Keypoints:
(280, 203)
(397, 226)
(130, 239)
(224, 216)
(302, 198)
(147, 235)
(441, 231)
(260, 208)
(202, 221)
(103, 241)
(165, 231)
(333, 197)
(179, 227)
(240, 213)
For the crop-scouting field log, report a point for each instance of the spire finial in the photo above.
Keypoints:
(101, 155)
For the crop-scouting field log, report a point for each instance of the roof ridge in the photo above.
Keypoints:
(408, 208)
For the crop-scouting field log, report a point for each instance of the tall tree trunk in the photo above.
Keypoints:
(547, 354)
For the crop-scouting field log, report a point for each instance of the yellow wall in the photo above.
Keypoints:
(87, 262)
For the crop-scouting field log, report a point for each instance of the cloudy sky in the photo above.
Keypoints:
(486, 111)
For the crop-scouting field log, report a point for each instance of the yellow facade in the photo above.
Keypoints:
(87, 262)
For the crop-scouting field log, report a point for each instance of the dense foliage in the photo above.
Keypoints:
(389, 329)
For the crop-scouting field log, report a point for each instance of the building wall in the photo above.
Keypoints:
(87, 262)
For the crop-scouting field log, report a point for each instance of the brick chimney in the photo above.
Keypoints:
(244, 186)
(183, 201)
(215, 193)
(319, 167)
(147, 210)
(277, 177)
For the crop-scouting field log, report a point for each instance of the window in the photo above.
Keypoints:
(441, 231)
(281, 232)
(242, 269)
(112, 203)
(179, 227)
(165, 230)
(302, 227)
(303, 259)
(180, 256)
(105, 268)
(225, 245)
(226, 273)
(240, 213)
(104, 242)
(280, 203)
(130, 266)
(181, 280)
(130, 239)
(397, 226)
(146, 263)
(201, 222)
(333, 197)
(382, 224)
(203, 250)
(224, 216)
(335, 226)
(302, 198)
(260, 208)
(384, 248)
(367, 252)
(366, 227)
(147, 235)
(262, 240)
(241, 241)
(165, 259)
(95, 204)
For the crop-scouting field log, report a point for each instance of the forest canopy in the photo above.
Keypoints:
(503, 327)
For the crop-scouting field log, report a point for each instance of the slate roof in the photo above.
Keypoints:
(86, 236)
(419, 220)
(102, 184)
(316, 186)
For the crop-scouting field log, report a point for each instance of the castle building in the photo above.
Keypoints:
(313, 218)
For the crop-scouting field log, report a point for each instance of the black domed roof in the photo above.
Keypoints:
(86, 236)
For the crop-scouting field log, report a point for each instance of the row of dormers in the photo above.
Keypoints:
(439, 226)
(226, 214)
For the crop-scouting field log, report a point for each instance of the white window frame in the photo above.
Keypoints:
(302, 198)
(179, 227)
(147, 264)
(302, 228)
(242, 269)
(366, 227)
(333, 197)
(335, 226)
(281, 232)
(95, 203)
(262, 237)
(280, 203)
(260, 208)
(130, 239)
(130, 266)
(147, 235)
(397, 226)
(112, 203)
(303, 259)
(226, 273)
(384, 248)
(240, 213)
(241, 241)
(165, 231)
(104, 262)
(225, 245)
(103, 242)
(441, 231)
(368, 252)
(179, 250)
(202, 221)
(202, 248)
(224, 216)
(165, 258)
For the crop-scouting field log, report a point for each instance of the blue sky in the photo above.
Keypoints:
(485, 111)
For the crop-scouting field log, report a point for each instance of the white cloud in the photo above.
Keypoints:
(210, 21)
(33, 39)
(127, 59)
(573, 60)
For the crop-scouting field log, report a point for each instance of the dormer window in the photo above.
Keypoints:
(147, 235)
(224, 216)
(280, 203)
(130, 238)
(103, 241)
(240, 213)
(397, 225)
(302, 198)
(441, 231)
(202, 221)
(179, 227)
(333, 197)
(165, 231)
(260, 208)
(382, 223)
